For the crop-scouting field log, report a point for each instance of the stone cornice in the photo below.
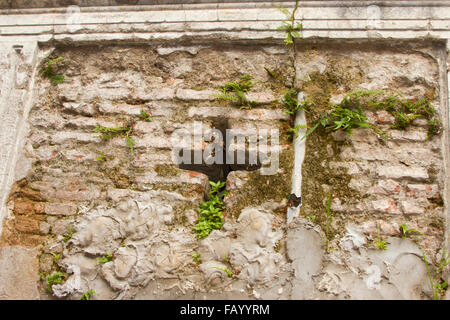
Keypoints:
(257, 20)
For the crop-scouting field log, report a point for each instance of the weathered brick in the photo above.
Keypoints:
(61, 227)
(90, 123)
(151, 126)
(80, 195)
(352, 168)
(45, 152)
(162, 109)
(44, 228)
(157, 94)
(189, 95)
(430, 191)
(188, 177)
(380, 116)
(261, 97)
(418, 134)
(384, 227)
(236, 179)
(67, 136)
(27, 225)
(122, 108)
(79, 155)
(22, 206)
(46, 119)
(362, 184)
(234, 113)
(386, 187)
(385, 206)
(337, 205)
(60, 209)
(150, 158)
(411, 206)
(363, 135)
(38, 138)
(91, 93)
(150, 140)
(399, 172)
(364, 151)
(87, 109)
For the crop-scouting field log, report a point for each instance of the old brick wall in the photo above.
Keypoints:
(74, 208)
(397, 181)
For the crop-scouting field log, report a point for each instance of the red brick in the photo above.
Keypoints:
(22, 206)
(27, 225)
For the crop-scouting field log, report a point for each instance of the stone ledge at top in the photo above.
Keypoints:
(8, 4)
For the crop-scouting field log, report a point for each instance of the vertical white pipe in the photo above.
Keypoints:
(299, 155)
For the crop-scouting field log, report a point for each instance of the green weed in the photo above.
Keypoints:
(210, 215)
(226, 270)
(404, 230)
(291, 105)
(101, 157)
(235, 91)
(196, 257)
(88, 295)
(49, 72)
(68, 236)
(295, 130)
(144, 116)
(445, 260)
(109, 133)
(56, 256)
(434, 284)
(54, 278)
(106, 258)
(348, 114)
(380, 244)
(289, 25)
(275, 75)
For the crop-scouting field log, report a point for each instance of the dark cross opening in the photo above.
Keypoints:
(219, 172)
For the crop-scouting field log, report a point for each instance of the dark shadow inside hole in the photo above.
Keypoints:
(219, 172)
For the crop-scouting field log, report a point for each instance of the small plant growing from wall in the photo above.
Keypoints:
(444, 261)
(405, 231)
(54, 278)
(379, 243)
(109, 133)
(144, 116)
(227, 271)
(88, 295)
(56, 256)
(106, 258)
(291, 28)
(50, 73)
(349, 114)
(438, 287)
(236, 92)
(210, 214)
(196, 258)
(101, 157)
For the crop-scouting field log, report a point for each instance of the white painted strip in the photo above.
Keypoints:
(299, 156)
